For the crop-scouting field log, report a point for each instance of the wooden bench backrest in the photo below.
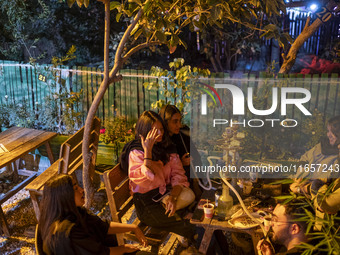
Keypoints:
(118, 192)
(120, 201)
(71, 149)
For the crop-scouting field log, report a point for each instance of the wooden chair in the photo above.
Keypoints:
(38, 242)
(71, 150)
(70, 159)
(120, 201)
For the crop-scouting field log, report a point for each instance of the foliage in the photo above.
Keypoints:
(16, 17)
(175, 87)
(41, 29)
(222, 44)
(16, 114)
(59, 111)
(162, 22)
(314, 128)
(117, 130)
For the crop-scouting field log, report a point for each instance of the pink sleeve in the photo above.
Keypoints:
(178, 176)
(138, 172)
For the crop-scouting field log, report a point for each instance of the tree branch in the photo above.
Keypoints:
(308, 31)
(139, 47)
(126, 37)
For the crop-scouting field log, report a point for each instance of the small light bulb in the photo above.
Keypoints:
(313, 7)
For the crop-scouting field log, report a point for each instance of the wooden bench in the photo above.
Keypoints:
(70, 159)
(120, 202)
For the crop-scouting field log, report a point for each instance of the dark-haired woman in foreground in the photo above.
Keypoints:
(153, 165)
(66, 227)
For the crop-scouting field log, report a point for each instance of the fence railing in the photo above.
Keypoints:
(24, 83)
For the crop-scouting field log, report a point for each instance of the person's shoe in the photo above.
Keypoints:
(184, 242)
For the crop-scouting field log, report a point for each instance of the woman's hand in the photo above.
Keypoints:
(149, 141)
(296, 186)
(186, 159)
(170, 206)
(264, 247)
(141, 237)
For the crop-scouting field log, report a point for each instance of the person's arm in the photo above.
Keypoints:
(116, 228)
(172, 200)
(329, 203)
(264, 248)
(178, 180)
(148, 144)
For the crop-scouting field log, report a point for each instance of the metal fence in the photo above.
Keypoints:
(27, 84)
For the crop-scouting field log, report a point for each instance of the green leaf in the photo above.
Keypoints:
(118, 16)
(115, 5)
(80, 2)
(183, 43)
(284, 197)
(174, 40)
(138, 33)
(136, 1)
(135, 29)
(146, 7)
(160, 36)
(70, 3)
(159, 24)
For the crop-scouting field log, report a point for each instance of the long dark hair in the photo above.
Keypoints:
(57, 205)
(334, 124)
(167, 111)
(144, 125)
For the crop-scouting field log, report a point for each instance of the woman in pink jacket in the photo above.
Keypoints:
(154, 167)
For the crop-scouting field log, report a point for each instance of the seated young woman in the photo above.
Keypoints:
(67, 228)
(172, 118)
(325, 154)
(153, 165)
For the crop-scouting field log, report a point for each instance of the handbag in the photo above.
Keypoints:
(185, 198)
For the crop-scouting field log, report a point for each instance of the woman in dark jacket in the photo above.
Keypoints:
(186, 149)
(67, 228)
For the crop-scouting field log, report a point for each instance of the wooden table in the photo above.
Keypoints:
(20, 141)
(210, 225)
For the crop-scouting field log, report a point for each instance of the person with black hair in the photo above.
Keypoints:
(287, 231)
(153, 165)
(326, 154)
(65, 227)
(180, 136)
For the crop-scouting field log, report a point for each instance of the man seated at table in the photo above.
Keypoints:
(287, 231)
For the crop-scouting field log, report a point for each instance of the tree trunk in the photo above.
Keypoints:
(87, 176)
(308, 31)
(109, 77)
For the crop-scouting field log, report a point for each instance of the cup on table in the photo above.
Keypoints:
(208, 210)
(267, 222)
(247, 187)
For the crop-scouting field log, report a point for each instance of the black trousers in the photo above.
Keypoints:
(153, 214)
